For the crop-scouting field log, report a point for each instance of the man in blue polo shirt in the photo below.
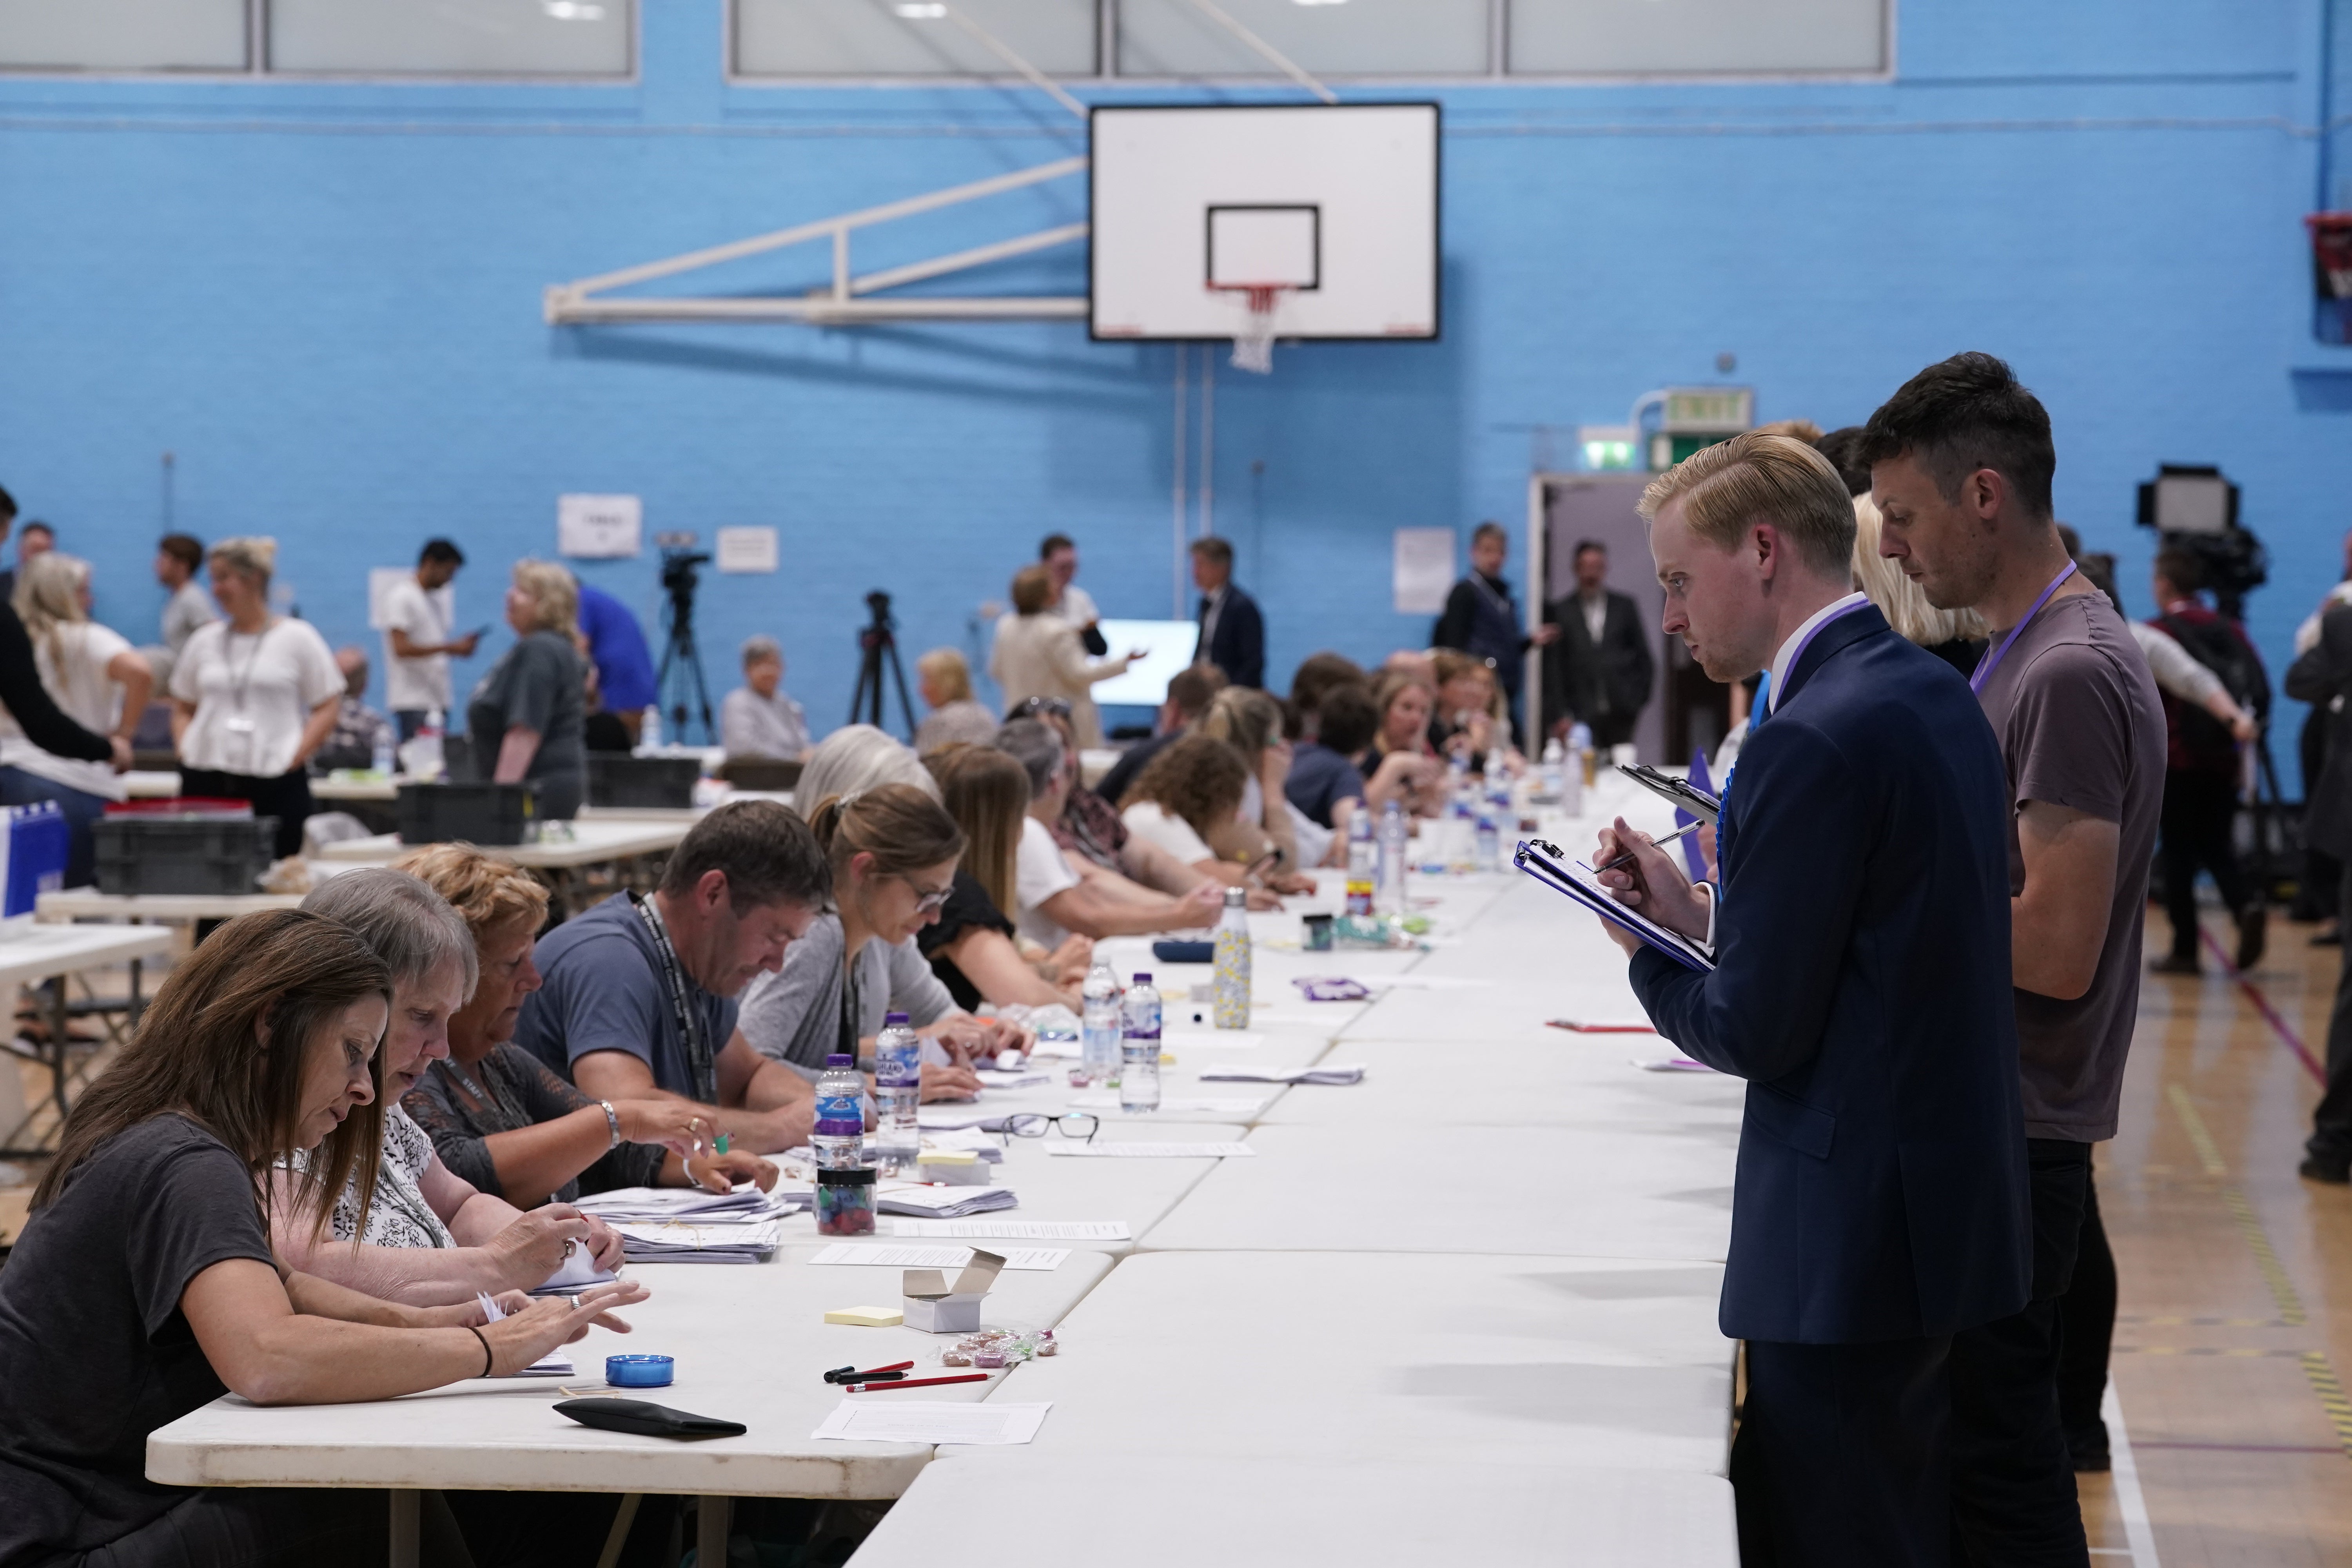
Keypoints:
(638, 994)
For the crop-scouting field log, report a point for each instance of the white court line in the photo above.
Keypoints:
(2138, 1534)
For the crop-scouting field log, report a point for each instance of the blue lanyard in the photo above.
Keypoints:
(1991, 661)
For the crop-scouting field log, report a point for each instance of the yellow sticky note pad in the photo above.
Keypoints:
(948, 1157)
(866, 1317)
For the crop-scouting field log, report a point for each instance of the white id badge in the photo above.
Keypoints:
(239, 725)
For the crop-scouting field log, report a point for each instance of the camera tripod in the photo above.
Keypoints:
(680, 655)
(878, 641)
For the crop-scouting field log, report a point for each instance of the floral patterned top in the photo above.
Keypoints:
(400, 1217)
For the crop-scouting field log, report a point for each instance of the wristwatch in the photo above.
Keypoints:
(612, 1119)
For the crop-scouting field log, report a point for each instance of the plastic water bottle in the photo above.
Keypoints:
(1363, 862)
(897, 1090)
(1394, 836)
(839, 1139)
(649, 732)
(382, 762)
(1548, 772)
(1490, 841)
(1099, 1038)
(425, 757)
(1232, 1009)
(1139, 1048)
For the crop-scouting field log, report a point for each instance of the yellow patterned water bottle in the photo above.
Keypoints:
(1233, 1003)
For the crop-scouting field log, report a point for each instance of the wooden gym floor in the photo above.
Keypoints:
(2235, 1326)
(2235, 1323)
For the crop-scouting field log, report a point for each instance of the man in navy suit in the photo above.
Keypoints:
(1861, 986)
(1233, 634)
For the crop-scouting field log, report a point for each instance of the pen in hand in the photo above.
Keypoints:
(1627, 858)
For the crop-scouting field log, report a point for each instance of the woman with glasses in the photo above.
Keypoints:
(893, 852)
(1038, 653)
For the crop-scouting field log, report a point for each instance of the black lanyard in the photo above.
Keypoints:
(698, 1047)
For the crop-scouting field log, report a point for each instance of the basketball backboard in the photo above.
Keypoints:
(1334, 205)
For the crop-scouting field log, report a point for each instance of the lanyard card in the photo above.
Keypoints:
(1544, 862)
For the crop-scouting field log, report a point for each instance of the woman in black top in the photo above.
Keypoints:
(971, 946)
(527, 718)
(500, 1117)
(143, 1286)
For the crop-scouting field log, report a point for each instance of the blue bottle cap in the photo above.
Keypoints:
(890, 1018)
(639, 1370)
(1143, 977)
(838, 1060)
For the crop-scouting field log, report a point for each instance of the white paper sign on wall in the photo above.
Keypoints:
(599, 527)
(747, 550)
(1424, 569)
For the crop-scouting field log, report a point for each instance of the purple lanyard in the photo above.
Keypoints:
(1991, 661)
(1773, 705)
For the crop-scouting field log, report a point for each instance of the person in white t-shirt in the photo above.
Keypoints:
(1072, 603)
(97, 680)
(254, 697)
(416, 640)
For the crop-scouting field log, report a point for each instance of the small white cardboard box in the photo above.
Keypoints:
(936, 1307)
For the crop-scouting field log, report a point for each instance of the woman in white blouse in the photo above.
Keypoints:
(98, 680)
(253, 696)
(1038, 653)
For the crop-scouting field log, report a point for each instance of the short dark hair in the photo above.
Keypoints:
(44, 527)
(1490, 528)
(440, 550)
(1194, 686)
(1584, 544)
(1347, 718)
(1319, 673)
(1213, 549)
(2181, 569)
(7, 506)
(184, 548)
(1052, 541)
(769, 854)
(1963, 414)
(1840, 447)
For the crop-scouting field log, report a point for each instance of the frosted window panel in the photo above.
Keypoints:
(907, 37)
(1675, 38)
(1352, 37)
(122, 35)
(452, 37)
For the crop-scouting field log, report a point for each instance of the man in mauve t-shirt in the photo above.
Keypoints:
(1961, 461)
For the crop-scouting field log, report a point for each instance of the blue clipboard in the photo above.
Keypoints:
(1547, 865)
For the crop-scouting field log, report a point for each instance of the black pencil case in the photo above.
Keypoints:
(647, 1420)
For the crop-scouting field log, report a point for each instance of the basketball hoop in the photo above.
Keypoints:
(1253, 345)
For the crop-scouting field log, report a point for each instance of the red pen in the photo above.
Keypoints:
(915, 1383)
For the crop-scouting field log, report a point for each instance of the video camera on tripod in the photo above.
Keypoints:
(878, 641)
(680, 580)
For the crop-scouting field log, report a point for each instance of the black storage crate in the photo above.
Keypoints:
(617, 780)
(139, 853)
(477, 813)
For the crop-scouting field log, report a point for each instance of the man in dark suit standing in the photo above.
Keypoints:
(1233, 634)
(1861, 986)
(1601, 668)
(1481, 620)
(2321, 676)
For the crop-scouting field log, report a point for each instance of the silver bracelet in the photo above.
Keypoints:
(612, 1119)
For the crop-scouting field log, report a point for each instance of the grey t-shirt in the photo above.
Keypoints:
(540, 684)
(603, 988)
(800, 1014)
(2081, 726)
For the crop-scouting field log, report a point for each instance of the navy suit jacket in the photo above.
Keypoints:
(1239, 647)
(1863, 988)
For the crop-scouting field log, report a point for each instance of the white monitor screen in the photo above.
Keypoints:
(1167, 648)
(2192, 503)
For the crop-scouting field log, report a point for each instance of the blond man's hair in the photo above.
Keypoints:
(487, 894)
(1730, 487)
(554, 595)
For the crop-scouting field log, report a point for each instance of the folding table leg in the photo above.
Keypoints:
(710, 1532)
(58, 1046)
(404, 1502)
(619, 1536)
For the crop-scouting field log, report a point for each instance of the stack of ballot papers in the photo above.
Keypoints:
(872, 1255)
(677, 1241)
(746, 1203)
(1018, 1077)
(1331, 1074)
(940, 1203)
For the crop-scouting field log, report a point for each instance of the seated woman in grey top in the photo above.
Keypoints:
(528, 718)
(893, 852)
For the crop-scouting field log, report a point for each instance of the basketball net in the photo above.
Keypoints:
(1253, 345)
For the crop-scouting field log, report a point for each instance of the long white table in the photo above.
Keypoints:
(31, 953)
(593, 841)
(1497, 1257)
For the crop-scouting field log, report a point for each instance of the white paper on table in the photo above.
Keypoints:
(1671, 1064)
(962, 1140)
(1017, 1229)
(578, 1271)
(1420, 982)
(934, 1421)
(1334, 1073)
(1151, 1150)
(849, 1252)
(947, 1117)
(1227, 1105)
(554, 1363)
(922, 1196)
(992, 1078)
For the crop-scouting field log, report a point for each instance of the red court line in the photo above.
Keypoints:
(2279, 1025)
